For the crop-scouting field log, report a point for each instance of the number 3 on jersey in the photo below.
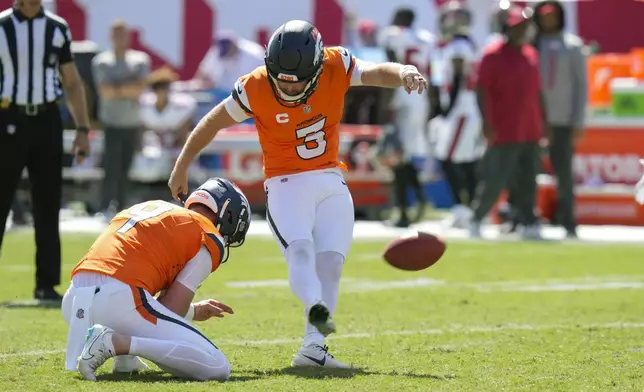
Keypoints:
(314, 142)
(142, 212)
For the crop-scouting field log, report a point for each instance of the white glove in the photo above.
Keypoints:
(639, 187)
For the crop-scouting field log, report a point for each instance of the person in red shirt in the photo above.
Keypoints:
(509, 99)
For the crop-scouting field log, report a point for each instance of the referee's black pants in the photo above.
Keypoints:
(35, 142)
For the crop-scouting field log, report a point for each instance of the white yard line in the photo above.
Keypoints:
(362, 285)
(374, 335)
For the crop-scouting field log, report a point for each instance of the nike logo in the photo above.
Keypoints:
(344, 183)
(320, 362)
(89, 354)
(239, 88)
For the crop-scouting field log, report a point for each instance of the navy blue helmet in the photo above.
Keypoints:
(229, 204)
(294, 54)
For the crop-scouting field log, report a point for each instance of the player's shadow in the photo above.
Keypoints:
(161, 376)
(310, 373)
(317, 373)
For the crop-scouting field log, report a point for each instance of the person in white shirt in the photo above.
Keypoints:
(167, 116)
(404, 43)
(456, 133)
(228, 59)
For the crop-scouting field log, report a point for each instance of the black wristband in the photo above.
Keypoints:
(82, 129)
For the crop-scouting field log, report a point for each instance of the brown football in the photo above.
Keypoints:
(414, 252)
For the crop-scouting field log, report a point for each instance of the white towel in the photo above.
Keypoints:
(79, 323)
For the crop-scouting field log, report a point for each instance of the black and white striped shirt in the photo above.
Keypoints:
(31, 51)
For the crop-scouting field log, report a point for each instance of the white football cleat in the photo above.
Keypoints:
(98, 349)
(315, 355)
(128, 364)
(320, 318)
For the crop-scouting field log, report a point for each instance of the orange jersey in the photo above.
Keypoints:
(305, 137)
(148, 245)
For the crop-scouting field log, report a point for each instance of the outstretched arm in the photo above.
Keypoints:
(391, 75)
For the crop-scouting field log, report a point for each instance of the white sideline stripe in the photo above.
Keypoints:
(362, 285)
(372, 335)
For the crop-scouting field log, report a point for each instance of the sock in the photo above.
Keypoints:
(182, 359)
(328, 266)
(300, 257)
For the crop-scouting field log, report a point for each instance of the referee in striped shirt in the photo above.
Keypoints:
(34, 51)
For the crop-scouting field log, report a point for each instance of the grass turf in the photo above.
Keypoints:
(487, 317)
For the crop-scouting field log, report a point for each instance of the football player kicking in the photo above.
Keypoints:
(297, 100)
(155, 247)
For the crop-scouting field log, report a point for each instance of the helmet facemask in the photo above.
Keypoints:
(294, 100)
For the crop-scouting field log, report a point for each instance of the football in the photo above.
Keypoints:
(414, 252)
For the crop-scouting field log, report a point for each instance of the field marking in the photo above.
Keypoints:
(363, 285)
(374, 335)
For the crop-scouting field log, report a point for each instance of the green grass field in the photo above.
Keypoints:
(487, 317)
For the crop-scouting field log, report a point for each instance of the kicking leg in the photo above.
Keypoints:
(305, 284)
(313, 351)
(333, 233)
(291, 213)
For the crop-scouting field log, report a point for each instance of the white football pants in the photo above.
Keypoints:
(311, 216)
(157, 333)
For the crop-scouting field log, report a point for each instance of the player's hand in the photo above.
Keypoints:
(412, 80)
(178, 183)
(81, 146)
(210, 308)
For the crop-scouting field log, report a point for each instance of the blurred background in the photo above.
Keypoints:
(198, 48)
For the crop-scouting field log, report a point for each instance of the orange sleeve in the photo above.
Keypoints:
(245, 88)
(342, 60)
(240, 95)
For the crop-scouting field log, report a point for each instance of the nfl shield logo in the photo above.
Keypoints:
(80, 314)
(307, 109)
(11, 129)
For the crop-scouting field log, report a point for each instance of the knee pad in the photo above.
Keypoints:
(300, 252)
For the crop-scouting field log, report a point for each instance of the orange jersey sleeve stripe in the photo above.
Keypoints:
(139, 301)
